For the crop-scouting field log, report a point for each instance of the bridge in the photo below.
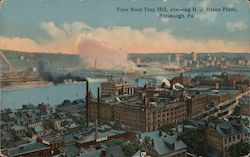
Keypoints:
(10, 66)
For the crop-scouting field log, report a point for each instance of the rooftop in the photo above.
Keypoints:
(26, 148)
(101, 134)
(51, 138)
(115, 151)
(229, 128)
(162, 142)
(221, 92)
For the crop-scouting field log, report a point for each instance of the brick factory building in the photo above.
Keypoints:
(146, 111)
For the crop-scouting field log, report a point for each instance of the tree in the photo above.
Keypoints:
(194, 139)
(167, 127)
(130, 148)
(114, 142)
(239, 149)
(127, 147)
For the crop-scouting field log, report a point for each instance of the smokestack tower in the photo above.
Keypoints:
(96, 129)
(87, 102)
(98, 105)
(95, 63)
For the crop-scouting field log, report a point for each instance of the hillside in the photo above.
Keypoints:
(23, 60)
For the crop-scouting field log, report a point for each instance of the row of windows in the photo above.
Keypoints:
(164, 113)
(159, 124)
(233, 138)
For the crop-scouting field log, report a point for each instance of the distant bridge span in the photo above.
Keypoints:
(11, 68)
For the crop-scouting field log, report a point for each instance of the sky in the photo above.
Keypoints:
(61, 25)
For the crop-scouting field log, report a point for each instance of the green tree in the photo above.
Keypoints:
(239, 149)
(127, 147)
(167, 127)
(114, 142)
(194, 139)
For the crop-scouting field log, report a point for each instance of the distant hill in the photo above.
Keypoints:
(25, 60)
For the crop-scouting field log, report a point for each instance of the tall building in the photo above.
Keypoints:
(196, 104)
(194, 56)
(116, 86)
(146, 111)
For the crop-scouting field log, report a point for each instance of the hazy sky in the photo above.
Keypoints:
(59, 25)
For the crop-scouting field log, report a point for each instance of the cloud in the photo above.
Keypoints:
(233, 3)
(53, 31)
(237, 25)
(208, 17)
(148, 40)
(165, 20)
(17, 43)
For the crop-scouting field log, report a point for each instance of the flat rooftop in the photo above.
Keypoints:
(27, 148)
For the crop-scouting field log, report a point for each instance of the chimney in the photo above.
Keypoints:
(160, 133)
(96, 129)
(153, 143)
(103, 152)
(87, 102)
(172, 84)
(95, 63)
(98, 105)
(173, 146)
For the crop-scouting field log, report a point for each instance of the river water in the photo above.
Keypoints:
(52, 94)
(55, 94)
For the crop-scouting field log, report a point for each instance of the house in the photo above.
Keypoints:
(20, 131)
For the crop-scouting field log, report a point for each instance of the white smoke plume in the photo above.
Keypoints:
(164, 80)
(100, 56)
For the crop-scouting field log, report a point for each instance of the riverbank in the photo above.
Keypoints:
(25, 85)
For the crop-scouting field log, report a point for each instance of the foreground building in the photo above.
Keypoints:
(224, 134)
(158, 144)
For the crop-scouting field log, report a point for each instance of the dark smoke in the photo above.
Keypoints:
(56, 77)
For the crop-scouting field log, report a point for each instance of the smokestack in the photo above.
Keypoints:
(96, 129)
(87, 102)
(95, 63)
(98, 105)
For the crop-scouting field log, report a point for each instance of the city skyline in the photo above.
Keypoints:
(49, 26)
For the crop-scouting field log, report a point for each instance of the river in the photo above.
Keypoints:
(55, 94)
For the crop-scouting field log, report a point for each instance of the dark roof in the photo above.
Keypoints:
(71, 151)
(52, 138)
(229, 128)
(115, 151)
(162, 142)
(30, 147)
